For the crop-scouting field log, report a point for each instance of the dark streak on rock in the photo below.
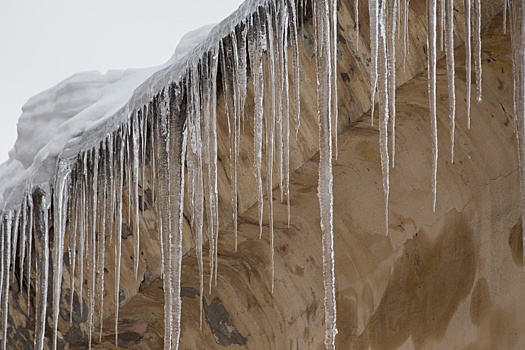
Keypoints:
(221, 325)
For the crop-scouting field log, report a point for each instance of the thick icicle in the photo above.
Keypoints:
(325, 187)
(431, 44)
(255, 51)
(61, 198)
(171, 181)
(449, 50)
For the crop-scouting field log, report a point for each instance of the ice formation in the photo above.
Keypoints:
(107, 130)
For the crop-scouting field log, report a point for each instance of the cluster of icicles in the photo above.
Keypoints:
(179, 127)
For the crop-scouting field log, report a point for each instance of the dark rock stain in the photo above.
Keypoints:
(428, 283)
(516, 244)
(480, 302)
(221, 325)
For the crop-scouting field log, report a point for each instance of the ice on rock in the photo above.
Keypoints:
(97, 130)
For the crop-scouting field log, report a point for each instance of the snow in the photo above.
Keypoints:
(55, 119)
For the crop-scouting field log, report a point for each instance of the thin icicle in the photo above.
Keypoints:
(431, 44)
(92, 240)
(14, 244)
(270, 134)
(101, 248)
(23, 243)
(7, 220)
(477, 49)
(406, 7)
(332, 6)
(449, 50)
(118, 238)
(286, 117)
(373, 11)
(82, 238)
(134, 181)
(441, 27)
(468, 56)
(29, 247)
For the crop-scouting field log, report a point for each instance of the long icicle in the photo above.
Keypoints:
(431, 44)
(324, 71)
(449, 51)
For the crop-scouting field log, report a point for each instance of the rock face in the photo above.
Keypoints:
(447, 279)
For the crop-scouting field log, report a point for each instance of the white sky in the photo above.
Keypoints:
(45, 41)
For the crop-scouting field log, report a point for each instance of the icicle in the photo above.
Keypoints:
(332, 5)
(42, 204)
(405, 31)
(3, 251)
(477, 49)
(256, 48)
(61, 198)
(286, 115)
(135, 182)
(196, 152)
(7, 220)
(210, 126)
(73, 238)
(296, 66)
(15, 233)
(468, 56)
(118, 242)
(325, 187)
(82, 238)
(449, 50)
(391, 62)
(373, 11)
(171, 176)
(270, 135)
(431, 44)
(29, 247)
(101, 248)
(384, 66)
(442, 24)
(92, 240)
(23, 242)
